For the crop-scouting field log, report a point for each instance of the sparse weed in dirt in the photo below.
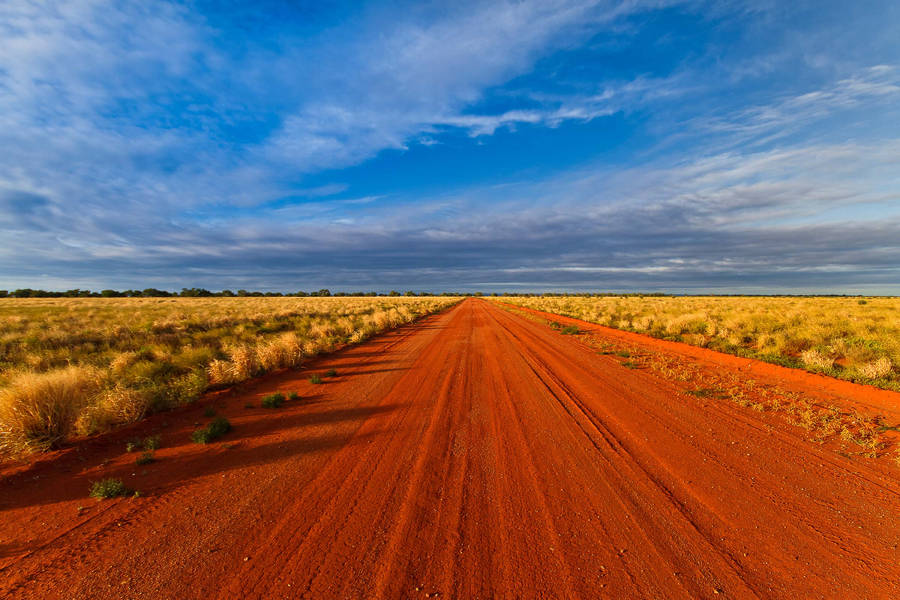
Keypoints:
(331, 373)
(109, 488)
(151, 442)
(707, 393)
(315, 379)
(822, 422)
(145, 458)
(216, 429)
(569, 330)
(133, 444)
(273, 400)
(293, 396)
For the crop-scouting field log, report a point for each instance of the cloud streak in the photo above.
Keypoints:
(156, 147)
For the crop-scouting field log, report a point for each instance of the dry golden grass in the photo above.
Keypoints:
(849, 338)
(82, 365)
(39, 410)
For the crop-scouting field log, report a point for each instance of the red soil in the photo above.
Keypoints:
(474, 454)
(866, 397)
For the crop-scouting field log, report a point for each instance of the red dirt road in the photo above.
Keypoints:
(475, 454)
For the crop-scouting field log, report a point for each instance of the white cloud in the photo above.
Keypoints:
(418, 78)
(779, 119)
(120, 118)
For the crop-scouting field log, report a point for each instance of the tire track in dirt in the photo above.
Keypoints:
(475, 454)
(631, 493)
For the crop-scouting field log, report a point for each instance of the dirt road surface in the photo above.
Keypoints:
(474, 454)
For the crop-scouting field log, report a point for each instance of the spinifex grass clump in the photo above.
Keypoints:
(273, 400)
(39, 410)
(293, 396)
(331, 373)
(315, 379)
(109, 488)
(569, 330)
(216, 429)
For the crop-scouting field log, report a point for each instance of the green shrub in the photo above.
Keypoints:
(216, 429)
(145, 458)
(151, 442)
(315, 379)
(109, 488)
(273, 400)
(293, 396)
(132, 444)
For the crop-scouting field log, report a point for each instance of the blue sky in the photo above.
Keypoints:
(498, 146)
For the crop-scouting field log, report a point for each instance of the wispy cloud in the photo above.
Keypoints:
(710, 221)
(871, 87)
(419, 77)
(150, 144)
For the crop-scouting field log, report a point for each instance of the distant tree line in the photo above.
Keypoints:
(201, 293)
(196, 293)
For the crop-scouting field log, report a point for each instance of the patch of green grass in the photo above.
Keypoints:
(151, 442)
(273, 400)
(569, 330)
(330, 373)
(216, 429)
(315, 379)
(706, 393)
(109, 488)
(145, 458)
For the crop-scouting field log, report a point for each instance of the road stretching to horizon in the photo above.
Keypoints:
(473, 454)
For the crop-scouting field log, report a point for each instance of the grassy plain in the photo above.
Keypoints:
(83, 365)
(849, 338)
